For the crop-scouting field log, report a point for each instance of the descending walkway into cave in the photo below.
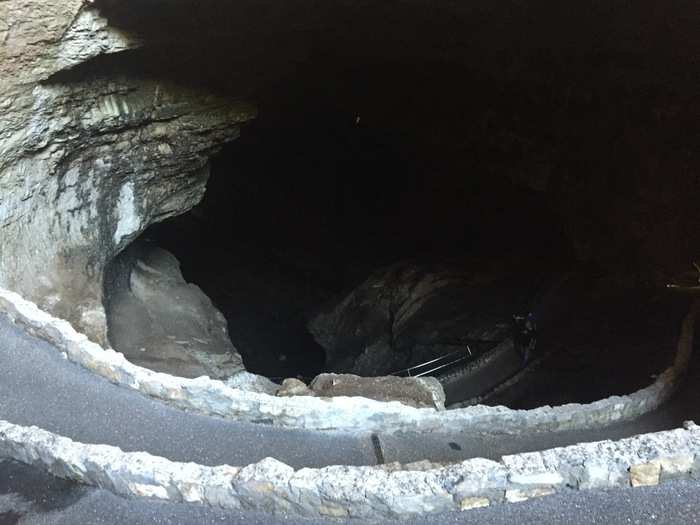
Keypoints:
(592, 328)
(384, 184)
(39, 387)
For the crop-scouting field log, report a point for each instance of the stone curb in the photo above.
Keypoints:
(389, 491)
(212, 397)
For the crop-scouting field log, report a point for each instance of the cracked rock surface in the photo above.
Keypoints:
(409, 313)
(159, 321)
(88, 161)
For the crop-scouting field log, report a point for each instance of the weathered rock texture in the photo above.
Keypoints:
(412, 391)
(88, 162)
(408, 313)
(158, 320)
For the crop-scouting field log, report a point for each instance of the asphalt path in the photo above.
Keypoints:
(39, 387)
(60, 503)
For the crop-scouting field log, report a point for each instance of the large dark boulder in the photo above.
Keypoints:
(411, 312)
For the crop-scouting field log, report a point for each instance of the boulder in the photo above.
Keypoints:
(252, 383)
(410, 313)
(294, 387)
(419, 392)
(158, 320)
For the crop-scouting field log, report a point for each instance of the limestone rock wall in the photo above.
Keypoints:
(410, 313)
(86, 165)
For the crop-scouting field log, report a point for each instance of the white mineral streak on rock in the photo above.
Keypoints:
(67, 147)
(90, 36)
(128, 220)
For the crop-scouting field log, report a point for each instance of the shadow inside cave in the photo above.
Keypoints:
(399, 198)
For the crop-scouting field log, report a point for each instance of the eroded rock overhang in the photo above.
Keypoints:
(80, 155)
(88, 162)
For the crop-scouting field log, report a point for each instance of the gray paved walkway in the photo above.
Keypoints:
(35, 498)
(38, 387)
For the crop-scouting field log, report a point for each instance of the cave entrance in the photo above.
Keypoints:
(332, 184)
(449, 177)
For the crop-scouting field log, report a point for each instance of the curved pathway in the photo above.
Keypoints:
(36, 498)
(39, 387)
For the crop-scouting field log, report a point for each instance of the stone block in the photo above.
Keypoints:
(676, 466)
(419, 392)
(294, 387)
(645, 474)
(518, 495)
(471, 502)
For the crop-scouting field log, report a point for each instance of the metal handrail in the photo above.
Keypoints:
(463, 358)
(426, 363)
(437, 359)
(408, 370)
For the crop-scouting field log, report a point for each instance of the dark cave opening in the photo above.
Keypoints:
(539, 151)
(330, 184)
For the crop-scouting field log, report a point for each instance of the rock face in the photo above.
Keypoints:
(409, 313)
(159, 321)
(88, 162)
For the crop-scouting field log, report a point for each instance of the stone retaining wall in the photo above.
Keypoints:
(387, 491)
(207, 396)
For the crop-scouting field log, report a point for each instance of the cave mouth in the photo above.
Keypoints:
(297, 215)
(528, 154)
